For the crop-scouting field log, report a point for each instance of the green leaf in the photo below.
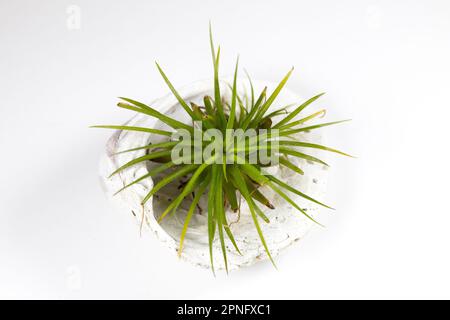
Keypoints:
(227, 229)
(198, 194)
(217, 97)
(207, 121)
(233, 98)
(153, 113)
(254, 110)
(150, 173)
(311, 145)
(271, 98)
(258, 196)
(139, 104)
(147, 157)
(211, 43)
(276, 113)
(166, 144)
(232, 114)
(292, 203)
(173, 206)
(252, 91)
(297, 192)
(188, 188)
(320, 113)
(260, 213)
(245, 193)
(301, 155)
(211, 215)
(254, 173)
(294, 131)
(208, 106)
(242, 114)
(175, 93)
(298, 110)
(230, 193)
(220, 213)
(290, 165)
(132, 128)
(257, 176)
(168, 179)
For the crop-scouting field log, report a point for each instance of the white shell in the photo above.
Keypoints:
(286, 226)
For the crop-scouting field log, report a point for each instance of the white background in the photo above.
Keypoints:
(385, 64)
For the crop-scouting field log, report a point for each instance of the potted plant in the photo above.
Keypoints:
(224, 172)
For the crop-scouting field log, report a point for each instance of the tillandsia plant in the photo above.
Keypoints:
(224, 151)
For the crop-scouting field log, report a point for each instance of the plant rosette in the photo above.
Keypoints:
(224, 172)
(286, 224)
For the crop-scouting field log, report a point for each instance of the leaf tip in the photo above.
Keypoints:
(117, 192)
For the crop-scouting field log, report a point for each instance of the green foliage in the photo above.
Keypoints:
(222, 184)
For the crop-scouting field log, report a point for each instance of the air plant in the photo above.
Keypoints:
(226, 182)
